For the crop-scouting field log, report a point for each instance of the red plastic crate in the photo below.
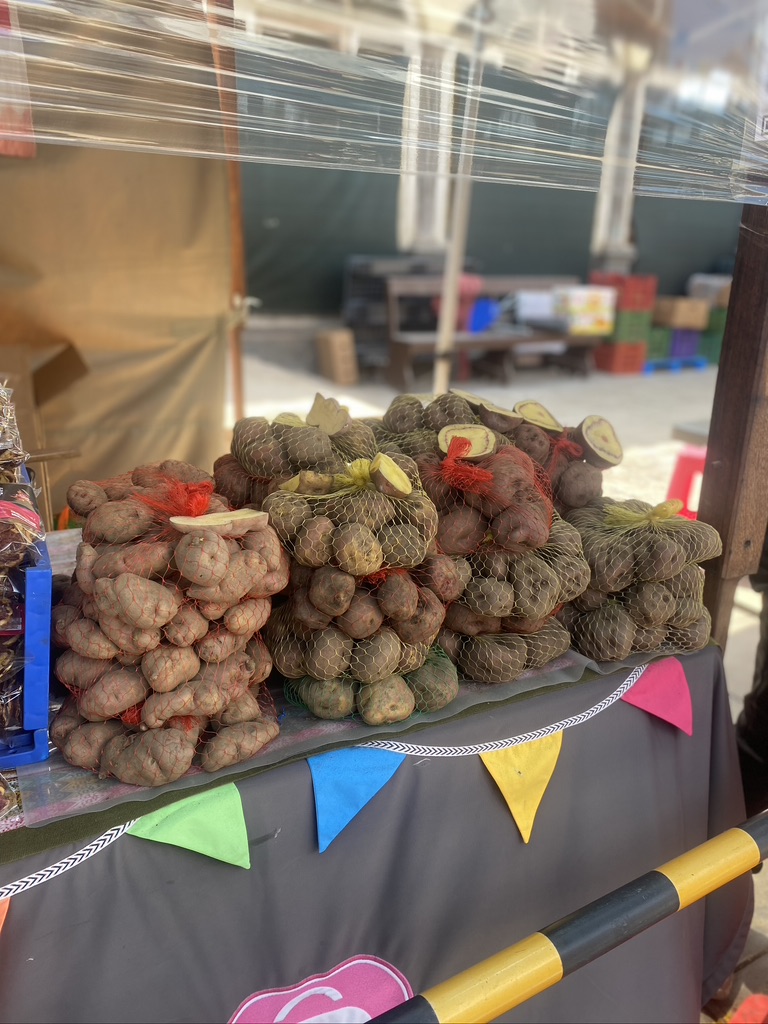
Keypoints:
(621, 358)
(634, 293)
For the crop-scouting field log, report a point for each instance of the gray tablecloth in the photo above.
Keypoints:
(432, 876)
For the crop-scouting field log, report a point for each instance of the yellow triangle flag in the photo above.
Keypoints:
(522, 774)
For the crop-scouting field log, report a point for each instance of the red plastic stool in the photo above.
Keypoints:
(686, 480)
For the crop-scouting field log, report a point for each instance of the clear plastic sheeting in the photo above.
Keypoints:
(674, 90)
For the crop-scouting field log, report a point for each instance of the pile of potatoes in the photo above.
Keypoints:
(499, 621)
(353, 643)
(263, 455)
(646, 589)
(159, 629)
(572, 458)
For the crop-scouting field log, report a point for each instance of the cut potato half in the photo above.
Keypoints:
(226, 524)
(481, 439)
(599, 442)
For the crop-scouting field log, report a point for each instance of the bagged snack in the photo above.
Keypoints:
(160, 629)
(646, 590)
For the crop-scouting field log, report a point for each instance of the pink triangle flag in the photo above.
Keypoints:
(662, 690)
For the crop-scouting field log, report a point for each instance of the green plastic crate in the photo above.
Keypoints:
(659, 342)
(716, 323)
(632, 328)
(711, 345)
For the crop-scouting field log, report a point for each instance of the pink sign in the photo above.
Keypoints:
(354, 992)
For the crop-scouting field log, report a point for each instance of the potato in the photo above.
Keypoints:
(445, 576)
(67, 718)
(259, 654)
(450, 643)
(564, 539)
(115, 692)
(689, 582)
(690, 638)
(441, 494)
(331, 699)
(461, 531)
(327, 655)
(417, 510)
(368, 507)
(409, 467)
(219, 644)
(387, 700)
(61, 617)
(245, 575)
(649, 604)
(287, 513)
(423, 627)
(649, 638)
(305, 613)
(273, 582)
(357, 550)
(435, 684)
(489, 597)
(398, 597)
(83, 745)
(462, 620)
(300, 576)
(267, 544)
(699, 540)
(244, 708)
(491, 562)
(546, 644)
(248, 617)
(375, 657)
(212, 611)
(193, 726)
(493, 659)
(331, 590)
(568, 616)
(314, 545)
(202, 557)
(217, 684)
(403, 546)
(612, 561)
(362, 618)
(658, 556)
(533, 441)
(141, 602)
(447, 409)
(606, 634)
(86, 557)
(355, 441)
(83, 496)
(145, 558)
(166, 667)
(153, 758)
(572, 571)
(412, 656)
(523, 527)
(237, 743)
(590, 599)
(129, 639)
(578, 484)
(405, 414)
(232, 481)
(309, 448)
(77, 672)
(256, 448)
(118, 522)
(73, 596)
(685, 611)
(537, 587)
(186, 627)
(86, 638)
(512, 482)
(288, 656)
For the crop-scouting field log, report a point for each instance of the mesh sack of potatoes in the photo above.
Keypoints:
(492, 657)
(158, 632)
(361, 631)
(646, 591)
(393, 698)
(485, 492)
(264, 454)
(370, 515)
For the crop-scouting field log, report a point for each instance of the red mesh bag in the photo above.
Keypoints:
(159, 629)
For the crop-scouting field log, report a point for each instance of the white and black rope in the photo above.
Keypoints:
(72, 861)
(421, 750)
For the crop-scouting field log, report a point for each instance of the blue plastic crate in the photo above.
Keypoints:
(31, 744)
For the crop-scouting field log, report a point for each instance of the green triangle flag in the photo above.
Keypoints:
(211, 823)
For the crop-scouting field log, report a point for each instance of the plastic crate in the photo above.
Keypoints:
(635, 293)
(31, 743)
(711, 346)
(621, 358)
(717, 319)
(659, 342)
(685, 344)
(632, 327)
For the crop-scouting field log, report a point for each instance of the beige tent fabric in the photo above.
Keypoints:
(127, 255)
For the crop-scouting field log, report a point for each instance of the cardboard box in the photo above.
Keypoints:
(337, 356)
(682, 313)
(586, 309)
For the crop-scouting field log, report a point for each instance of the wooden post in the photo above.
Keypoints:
(734, 494)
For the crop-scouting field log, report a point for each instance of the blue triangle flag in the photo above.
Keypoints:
(344, 782)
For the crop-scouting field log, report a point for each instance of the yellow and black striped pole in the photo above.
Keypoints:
(498, 984)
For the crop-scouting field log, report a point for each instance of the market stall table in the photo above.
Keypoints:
(431, 876)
